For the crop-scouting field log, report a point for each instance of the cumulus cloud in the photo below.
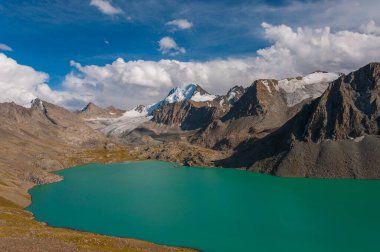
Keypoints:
(169, 47)
(292, 52)
(106, 7)
(21, 84)
(301, 50)
(182, 24)
(370, 28)
(4, 47)
(18, 82)
(127, 84)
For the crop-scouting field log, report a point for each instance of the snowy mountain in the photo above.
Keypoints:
(133, 118)
(194, 106)
(191, 92)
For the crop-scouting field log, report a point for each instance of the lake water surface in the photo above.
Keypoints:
(213, 209)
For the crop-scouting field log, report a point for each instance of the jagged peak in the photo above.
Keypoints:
(373, 65)
(354, 98)
(235, 93)
(364, 79)
(89, 106)
(236, 88)
(190, 92)
(372, 68)
(37, 103)
(193, 92)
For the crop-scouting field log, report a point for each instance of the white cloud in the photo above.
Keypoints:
(182, 24)
(4, 47)
(370, 28)
(169, 46)
(17, 82)
(106, 7)
(293, 51)
(301, 50)
(127, 84)
(21, 84)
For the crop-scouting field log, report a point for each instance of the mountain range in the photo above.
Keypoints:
(323, 125)
(320, 125)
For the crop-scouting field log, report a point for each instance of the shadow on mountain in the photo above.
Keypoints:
(268, 152)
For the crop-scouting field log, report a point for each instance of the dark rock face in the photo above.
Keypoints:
(349, 108)
(259, 111)
(260, 98)
(198, 117)
(185, 114)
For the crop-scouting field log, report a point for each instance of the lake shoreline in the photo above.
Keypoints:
(16, 211)
(331, 194)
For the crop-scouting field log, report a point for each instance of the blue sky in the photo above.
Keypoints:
(49, 34)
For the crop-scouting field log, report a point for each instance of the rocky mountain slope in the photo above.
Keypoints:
(349, 108)
(289, 127)
(93, 111)
(35, 140)
(336, 135)
(323, 125)
(193, 107)
(183, 109)
(265, 106)
(320, 125)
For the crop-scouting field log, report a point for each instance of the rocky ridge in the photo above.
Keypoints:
(93, 111)
(336, 135)
(266, 105)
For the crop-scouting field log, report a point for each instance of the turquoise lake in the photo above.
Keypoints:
(213, 209)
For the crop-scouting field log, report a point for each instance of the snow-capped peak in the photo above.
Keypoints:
(190, 92)
(310, 86)
(180, 94)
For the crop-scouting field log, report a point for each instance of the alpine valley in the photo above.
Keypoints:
(322, 125)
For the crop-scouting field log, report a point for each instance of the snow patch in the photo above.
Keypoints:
(231, 96)
(134, 113)
(198, 97)
(133, 118)
(309, 86)
(266, 84)
(180, 94)
(221, 102)
(121, 125)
